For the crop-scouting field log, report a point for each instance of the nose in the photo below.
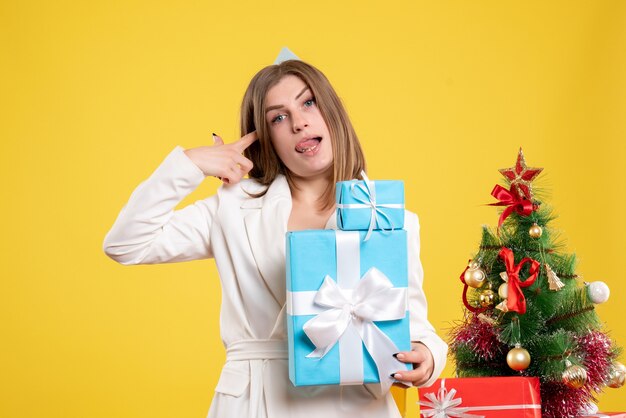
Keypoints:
(298, 121)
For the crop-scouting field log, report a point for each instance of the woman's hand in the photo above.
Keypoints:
(423, 365)
(224, 161)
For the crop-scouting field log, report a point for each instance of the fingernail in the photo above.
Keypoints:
(399, 356)
(395, 355)
(395, 376)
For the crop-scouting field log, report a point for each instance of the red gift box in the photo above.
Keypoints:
(472, 397)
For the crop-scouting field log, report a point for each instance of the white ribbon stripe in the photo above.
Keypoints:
(369, 188)
(345, 313)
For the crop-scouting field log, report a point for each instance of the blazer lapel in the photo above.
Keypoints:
(266, 226)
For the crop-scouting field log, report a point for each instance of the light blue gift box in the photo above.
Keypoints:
(358, 200)
(311, 257)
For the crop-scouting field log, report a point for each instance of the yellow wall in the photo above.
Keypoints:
(95, 94)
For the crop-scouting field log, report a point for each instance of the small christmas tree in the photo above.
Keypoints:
(527, 313)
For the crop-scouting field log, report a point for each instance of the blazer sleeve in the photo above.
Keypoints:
(148, 230)
(421, 329)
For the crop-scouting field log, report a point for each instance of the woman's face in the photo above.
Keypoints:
(298, 131)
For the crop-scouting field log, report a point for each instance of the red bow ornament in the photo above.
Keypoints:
(515, 300)
(513, 201)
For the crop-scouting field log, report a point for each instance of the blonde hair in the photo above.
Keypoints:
(348, 158)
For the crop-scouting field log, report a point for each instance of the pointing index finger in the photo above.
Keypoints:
(245, 141)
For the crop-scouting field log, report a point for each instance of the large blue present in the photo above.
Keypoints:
(347, 306)
(370, 205)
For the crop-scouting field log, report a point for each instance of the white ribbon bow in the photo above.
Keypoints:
(368, 187)
(373, 299)
(444, 405)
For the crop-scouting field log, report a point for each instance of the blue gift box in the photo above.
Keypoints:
(370, 205)
(327, 265)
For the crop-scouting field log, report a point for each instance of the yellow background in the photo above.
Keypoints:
(95, 94)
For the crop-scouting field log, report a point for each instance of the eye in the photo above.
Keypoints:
(278, 118)
(309, 102)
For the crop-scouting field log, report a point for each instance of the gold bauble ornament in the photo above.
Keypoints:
(518, 358)
(617, 376)
(574, 376)
(503, 291)
(474, 276)
(486, 298)
(535, 231)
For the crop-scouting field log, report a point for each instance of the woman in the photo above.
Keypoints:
(297, 143)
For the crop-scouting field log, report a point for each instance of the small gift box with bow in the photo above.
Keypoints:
(370, 205)
(347, 310)
(476, 397)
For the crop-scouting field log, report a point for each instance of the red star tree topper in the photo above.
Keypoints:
(520, 176)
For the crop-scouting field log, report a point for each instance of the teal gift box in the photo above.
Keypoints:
(370, 205)
(347, 306)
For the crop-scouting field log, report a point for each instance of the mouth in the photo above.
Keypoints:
(308, 144)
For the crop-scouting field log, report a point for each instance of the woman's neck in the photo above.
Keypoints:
(308, 211)
(309, 191)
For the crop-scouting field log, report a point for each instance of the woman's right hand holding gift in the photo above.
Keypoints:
(224, 161)
(423, 364)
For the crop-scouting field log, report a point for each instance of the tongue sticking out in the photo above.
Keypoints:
(307, 145)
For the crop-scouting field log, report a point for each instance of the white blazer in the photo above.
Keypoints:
(246, 236)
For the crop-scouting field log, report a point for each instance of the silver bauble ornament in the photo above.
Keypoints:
(617, 377)
(598, 292)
